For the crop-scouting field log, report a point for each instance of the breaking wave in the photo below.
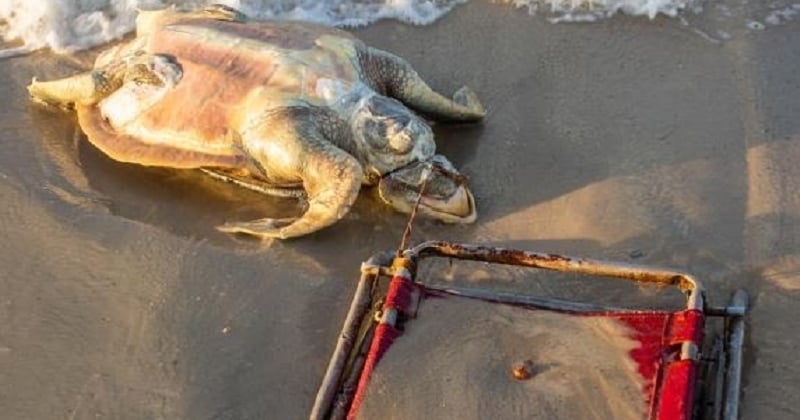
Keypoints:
(70, 25)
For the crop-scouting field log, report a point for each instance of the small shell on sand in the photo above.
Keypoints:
(522, 370)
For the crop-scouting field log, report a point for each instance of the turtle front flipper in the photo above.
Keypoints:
(395, 76)
(291, 145)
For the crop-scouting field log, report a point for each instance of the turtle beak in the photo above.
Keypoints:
(444, 192)
(458, 208)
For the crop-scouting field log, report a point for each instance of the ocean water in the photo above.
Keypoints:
(70, 25)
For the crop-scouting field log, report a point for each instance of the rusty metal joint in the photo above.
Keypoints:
(370, 269)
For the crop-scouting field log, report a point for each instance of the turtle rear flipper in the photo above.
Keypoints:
(85, 88)
(467, 98)
(395, 76)
(92, 87)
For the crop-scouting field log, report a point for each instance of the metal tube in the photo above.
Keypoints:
(358, 308)
(726, 311)
(733, 377)
(564, 264)
(342, 403)
(719, 377)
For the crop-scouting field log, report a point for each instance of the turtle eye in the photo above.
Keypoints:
(375, 133)
(381, 105)
(396, 123)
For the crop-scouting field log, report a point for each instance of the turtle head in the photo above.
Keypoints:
(445, 195)
(390, 134)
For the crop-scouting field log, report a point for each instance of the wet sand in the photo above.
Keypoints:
(460, 351)
(628, 140)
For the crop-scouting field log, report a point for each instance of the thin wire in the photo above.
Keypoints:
(407, 231)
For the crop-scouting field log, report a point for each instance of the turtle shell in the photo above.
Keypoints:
(231, 74)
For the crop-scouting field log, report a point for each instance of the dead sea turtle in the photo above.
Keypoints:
(274, 106)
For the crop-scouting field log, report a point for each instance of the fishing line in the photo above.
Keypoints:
(426, 173)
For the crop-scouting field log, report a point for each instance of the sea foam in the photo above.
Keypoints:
(592, 10)
(716, 20)
(70, 25)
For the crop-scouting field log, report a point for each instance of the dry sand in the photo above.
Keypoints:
(625, 138)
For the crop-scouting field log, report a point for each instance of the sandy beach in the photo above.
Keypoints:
(630, 140)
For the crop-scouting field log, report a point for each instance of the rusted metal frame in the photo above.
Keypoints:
(555, 262)
(378, 265)
(725, 360)
(735, 342)
(341, 405)
(362, 303)
(725, 311)
(401, 268)
(719, 366)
